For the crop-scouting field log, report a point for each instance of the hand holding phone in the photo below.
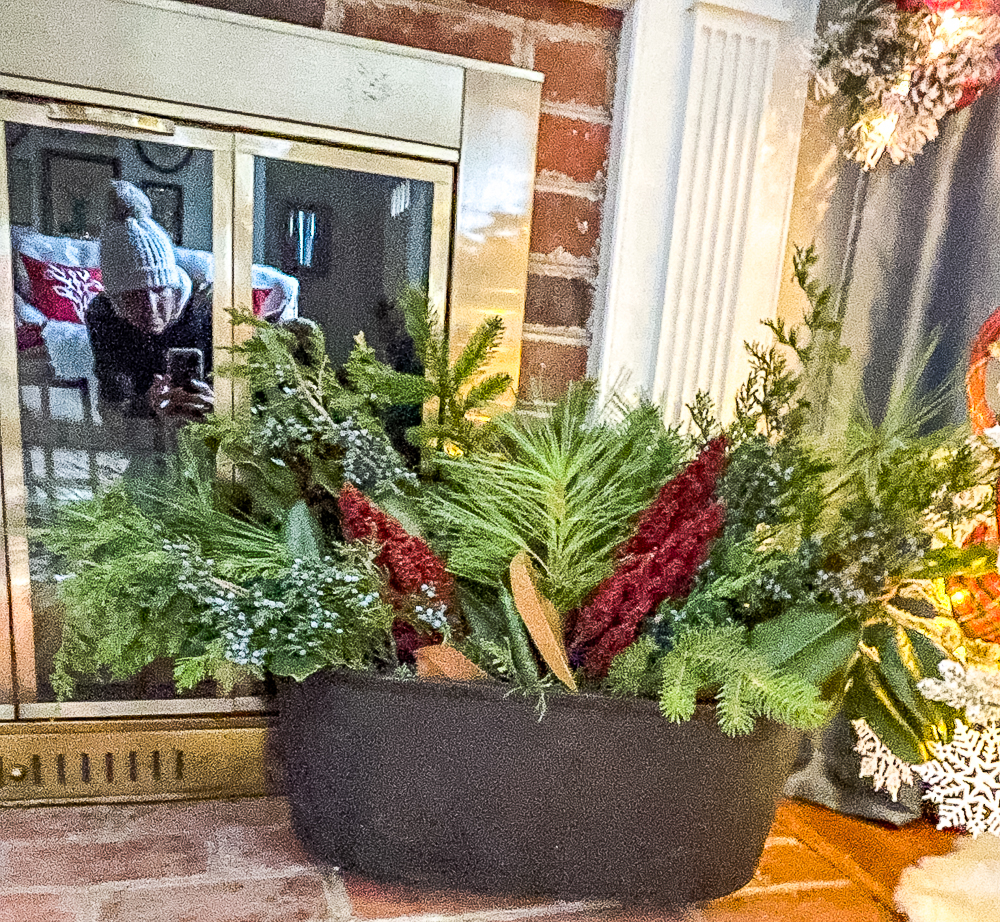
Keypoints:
(185, 367)
(182, 393)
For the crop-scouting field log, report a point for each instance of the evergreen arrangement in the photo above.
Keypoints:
(781, 564)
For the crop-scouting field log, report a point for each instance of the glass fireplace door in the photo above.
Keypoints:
(82, 351)
(283, 228)
(354, 229)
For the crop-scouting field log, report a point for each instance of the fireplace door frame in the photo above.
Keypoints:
(484, 130)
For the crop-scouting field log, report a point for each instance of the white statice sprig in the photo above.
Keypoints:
(964, 780)
(968, 688)
(878, 762)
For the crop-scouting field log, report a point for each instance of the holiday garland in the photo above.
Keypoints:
(895, 69)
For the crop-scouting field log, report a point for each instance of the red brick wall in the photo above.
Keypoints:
(575, 45)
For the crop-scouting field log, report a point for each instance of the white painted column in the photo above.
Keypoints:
(707, 123)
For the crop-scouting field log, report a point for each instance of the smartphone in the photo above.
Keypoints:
(185, 366)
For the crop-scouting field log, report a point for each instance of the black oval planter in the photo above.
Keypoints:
(460, 785)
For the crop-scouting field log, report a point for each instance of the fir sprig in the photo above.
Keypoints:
(717, 662)
(456, 394)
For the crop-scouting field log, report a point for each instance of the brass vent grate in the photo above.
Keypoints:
(97, 768)
(101, 762)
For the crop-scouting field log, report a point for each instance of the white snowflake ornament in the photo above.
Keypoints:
(976, 691)
(964, 780)
(878, 762)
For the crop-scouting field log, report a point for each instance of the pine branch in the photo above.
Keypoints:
(565, 488)
(480, 348)
(451, 386)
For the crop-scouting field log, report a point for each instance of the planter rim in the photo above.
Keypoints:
(499, 693)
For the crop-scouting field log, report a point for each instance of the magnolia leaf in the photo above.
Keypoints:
(937, 563)
(541, 619)
(445, 662)
(922, 656)
(813, 641)
(520, 647)
(302, 534)
(895, 675)
(868, 698)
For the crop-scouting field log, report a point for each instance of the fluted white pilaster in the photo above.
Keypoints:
(707, 127)
(728, 91)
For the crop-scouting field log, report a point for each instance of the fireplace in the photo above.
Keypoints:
(297, 174)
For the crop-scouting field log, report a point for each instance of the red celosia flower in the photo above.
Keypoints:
(407, 560)
(409, 564)
(659, 562)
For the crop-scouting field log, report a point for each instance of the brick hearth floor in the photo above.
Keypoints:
(238, 861)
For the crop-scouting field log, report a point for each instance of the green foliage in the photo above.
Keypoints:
(168, 569)
(565, 487)
(123, 608)
(635, 671)
(718, 662)
(498, 641)
(299, 435)
(883, 690)
(460, 390)
(813, 641)
(777, 400)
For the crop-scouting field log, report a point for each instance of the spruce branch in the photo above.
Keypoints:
(453, 392)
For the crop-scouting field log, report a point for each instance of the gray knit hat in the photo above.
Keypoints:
(136, 252)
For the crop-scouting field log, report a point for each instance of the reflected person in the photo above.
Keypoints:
(149, 321)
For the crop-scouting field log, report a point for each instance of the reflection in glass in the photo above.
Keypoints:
(114, 332)
(354, 241)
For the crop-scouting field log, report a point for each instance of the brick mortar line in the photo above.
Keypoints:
(596, 115)
(115, 838)
(506, 915)
(163, 883)
(815, 842)
(555, 183)
(794, 886)
(338, 900)
(550, 31)
(556, 335)
(774, 841)
(562, 265)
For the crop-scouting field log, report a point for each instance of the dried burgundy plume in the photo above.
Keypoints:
(660, 561)
(407, 561)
